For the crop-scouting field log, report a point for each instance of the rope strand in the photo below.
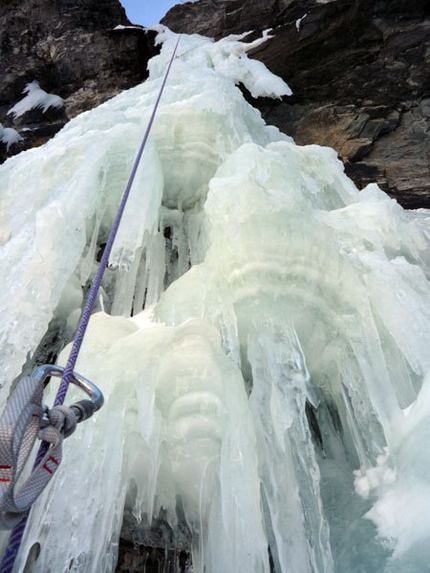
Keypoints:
(85, 317)
(12, 549)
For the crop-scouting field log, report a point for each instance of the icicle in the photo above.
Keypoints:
(288, 467)
(272, 398)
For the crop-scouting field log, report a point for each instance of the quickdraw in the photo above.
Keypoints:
(24, 419)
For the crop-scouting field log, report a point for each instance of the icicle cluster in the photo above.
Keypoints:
(262, 340)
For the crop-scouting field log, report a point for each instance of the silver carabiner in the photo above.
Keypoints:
(83, 409)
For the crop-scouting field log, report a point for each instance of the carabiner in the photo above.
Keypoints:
(83, 409)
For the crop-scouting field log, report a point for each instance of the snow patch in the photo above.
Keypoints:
(36, 98)
(121, 27)
(299, 22)
(9, 136)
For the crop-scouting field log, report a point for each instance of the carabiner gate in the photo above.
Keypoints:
(83, 409)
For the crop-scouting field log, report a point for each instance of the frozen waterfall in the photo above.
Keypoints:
(262, 338)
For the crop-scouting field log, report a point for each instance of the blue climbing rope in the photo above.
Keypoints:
(14, 544)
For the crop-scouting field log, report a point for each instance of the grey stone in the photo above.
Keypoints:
(73, 50)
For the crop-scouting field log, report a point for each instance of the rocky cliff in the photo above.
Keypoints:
(83, 51)
(358, 70)
(359, 74)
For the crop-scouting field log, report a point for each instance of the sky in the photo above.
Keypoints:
(147, 12)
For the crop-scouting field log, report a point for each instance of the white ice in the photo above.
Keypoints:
(9, 136)
(299, 22)
(274, 390)
(36, 98)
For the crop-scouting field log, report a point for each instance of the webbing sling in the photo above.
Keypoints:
(24, 419)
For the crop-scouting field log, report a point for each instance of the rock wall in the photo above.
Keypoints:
(71, 47)
(358, 70)
(359, 74)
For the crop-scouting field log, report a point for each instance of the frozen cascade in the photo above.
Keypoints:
(262, 338)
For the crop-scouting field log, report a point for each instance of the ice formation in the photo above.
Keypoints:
(262, 339)
(9, 136)
(36, 98)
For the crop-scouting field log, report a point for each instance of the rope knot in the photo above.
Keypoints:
(62, 424)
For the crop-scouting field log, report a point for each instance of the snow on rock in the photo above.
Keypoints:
(9, 136)
(36, 98)
(299, 22)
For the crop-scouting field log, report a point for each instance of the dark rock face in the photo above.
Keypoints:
(359, 74)
(71, 47)
(358, 70)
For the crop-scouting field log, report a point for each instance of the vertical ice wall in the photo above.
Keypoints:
(271, 393)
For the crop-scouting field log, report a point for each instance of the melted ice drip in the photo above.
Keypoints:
(262, 338)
